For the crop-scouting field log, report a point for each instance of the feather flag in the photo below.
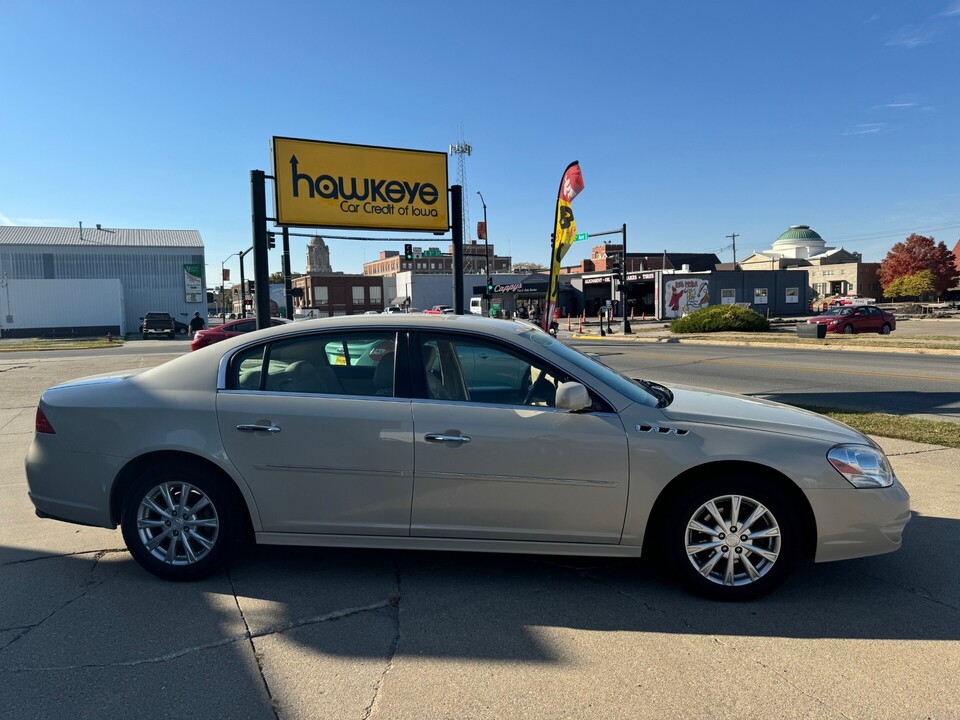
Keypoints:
(564, 233)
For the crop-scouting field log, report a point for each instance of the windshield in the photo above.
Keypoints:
(644, 392)
(839, 311)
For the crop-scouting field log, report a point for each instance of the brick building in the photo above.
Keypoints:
(434, 262)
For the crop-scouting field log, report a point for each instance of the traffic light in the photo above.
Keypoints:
(250, 286)
(271, 240)
(296, 292)
(408, 252)
(489, 285)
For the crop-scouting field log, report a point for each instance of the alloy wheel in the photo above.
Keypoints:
(177, 523)
(732, 540)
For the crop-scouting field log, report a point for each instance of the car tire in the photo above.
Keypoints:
(179, 523)
(885, 330)
(703, 541)
(848, 330)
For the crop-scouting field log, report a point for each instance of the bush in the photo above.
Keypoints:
(721, 318)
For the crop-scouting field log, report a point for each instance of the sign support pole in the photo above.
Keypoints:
(261, 274)
(286, 273)
(456, 211)
(624, 323)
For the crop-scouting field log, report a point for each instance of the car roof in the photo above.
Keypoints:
(413, 321)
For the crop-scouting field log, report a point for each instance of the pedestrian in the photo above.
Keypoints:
(196, 324)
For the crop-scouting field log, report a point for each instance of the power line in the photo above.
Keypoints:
(889, 233)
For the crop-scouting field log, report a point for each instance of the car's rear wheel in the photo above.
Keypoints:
(180, 524)
(848, 330)
(731, 539)
(885, 330)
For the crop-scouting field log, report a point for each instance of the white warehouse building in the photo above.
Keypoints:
(91, 281)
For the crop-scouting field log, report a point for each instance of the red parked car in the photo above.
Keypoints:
(228, 330)
(849, 320)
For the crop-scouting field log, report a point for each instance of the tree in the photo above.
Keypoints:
(276, 278)
(915, 254)
(527, 267)
(916, 285)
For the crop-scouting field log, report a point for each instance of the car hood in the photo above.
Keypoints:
(697, 405)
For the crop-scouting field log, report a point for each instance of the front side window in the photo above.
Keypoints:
(477, 370)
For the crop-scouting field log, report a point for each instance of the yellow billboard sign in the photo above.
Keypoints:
(336, 185)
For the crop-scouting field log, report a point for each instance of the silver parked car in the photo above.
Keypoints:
(456, 433)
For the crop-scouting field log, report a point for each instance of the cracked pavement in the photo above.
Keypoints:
(288, 633)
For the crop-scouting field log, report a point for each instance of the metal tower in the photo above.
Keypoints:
(462, 150)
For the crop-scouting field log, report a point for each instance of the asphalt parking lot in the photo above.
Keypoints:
(312, 633)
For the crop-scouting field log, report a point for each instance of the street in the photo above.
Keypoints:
(902, 384)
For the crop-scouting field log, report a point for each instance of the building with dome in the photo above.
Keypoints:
(830, 270)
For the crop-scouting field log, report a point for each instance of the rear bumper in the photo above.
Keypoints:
(69, 486)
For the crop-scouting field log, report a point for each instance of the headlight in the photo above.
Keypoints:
(834, 322)
(862, 465)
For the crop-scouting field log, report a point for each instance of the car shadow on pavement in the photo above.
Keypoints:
(362, 603)
(894, 402)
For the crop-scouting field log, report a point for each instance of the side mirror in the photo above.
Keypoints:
(572, 396)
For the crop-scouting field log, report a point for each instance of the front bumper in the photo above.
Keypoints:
(858, 522)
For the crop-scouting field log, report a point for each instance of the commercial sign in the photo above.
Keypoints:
(193, 283)
(335, 185)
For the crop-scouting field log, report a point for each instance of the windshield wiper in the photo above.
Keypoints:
(662, 393)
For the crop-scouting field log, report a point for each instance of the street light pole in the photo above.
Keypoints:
(486, 246)
(223, 305)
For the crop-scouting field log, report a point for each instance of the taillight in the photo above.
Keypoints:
(42, 424)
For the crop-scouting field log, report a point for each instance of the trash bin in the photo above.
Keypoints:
(812, 330)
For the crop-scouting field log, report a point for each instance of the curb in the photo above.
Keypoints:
(753, 343)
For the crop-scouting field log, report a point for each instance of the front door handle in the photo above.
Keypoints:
(437, 438)
(258, 428)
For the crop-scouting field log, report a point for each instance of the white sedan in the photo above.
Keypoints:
(455, 433)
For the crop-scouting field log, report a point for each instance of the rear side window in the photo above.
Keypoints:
(324, 364)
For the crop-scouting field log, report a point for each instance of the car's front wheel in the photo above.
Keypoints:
(178, 523)
(848, 330)
(885, 330)
(731, 540)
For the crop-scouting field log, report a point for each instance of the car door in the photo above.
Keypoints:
(318, 457)
(863, 321)
(495, 460)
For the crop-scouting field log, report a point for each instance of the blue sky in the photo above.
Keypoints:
(690, 120)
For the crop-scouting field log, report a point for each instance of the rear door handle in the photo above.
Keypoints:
(437, 438)
(258, 428)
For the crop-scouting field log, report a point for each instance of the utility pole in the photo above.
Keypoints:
(733, 237)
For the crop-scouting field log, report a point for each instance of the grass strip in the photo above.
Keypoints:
(40, 344)
(901, 427)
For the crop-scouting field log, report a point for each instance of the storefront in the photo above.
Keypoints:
(527, 297)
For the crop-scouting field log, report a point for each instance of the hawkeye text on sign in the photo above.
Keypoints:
(324, 184)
